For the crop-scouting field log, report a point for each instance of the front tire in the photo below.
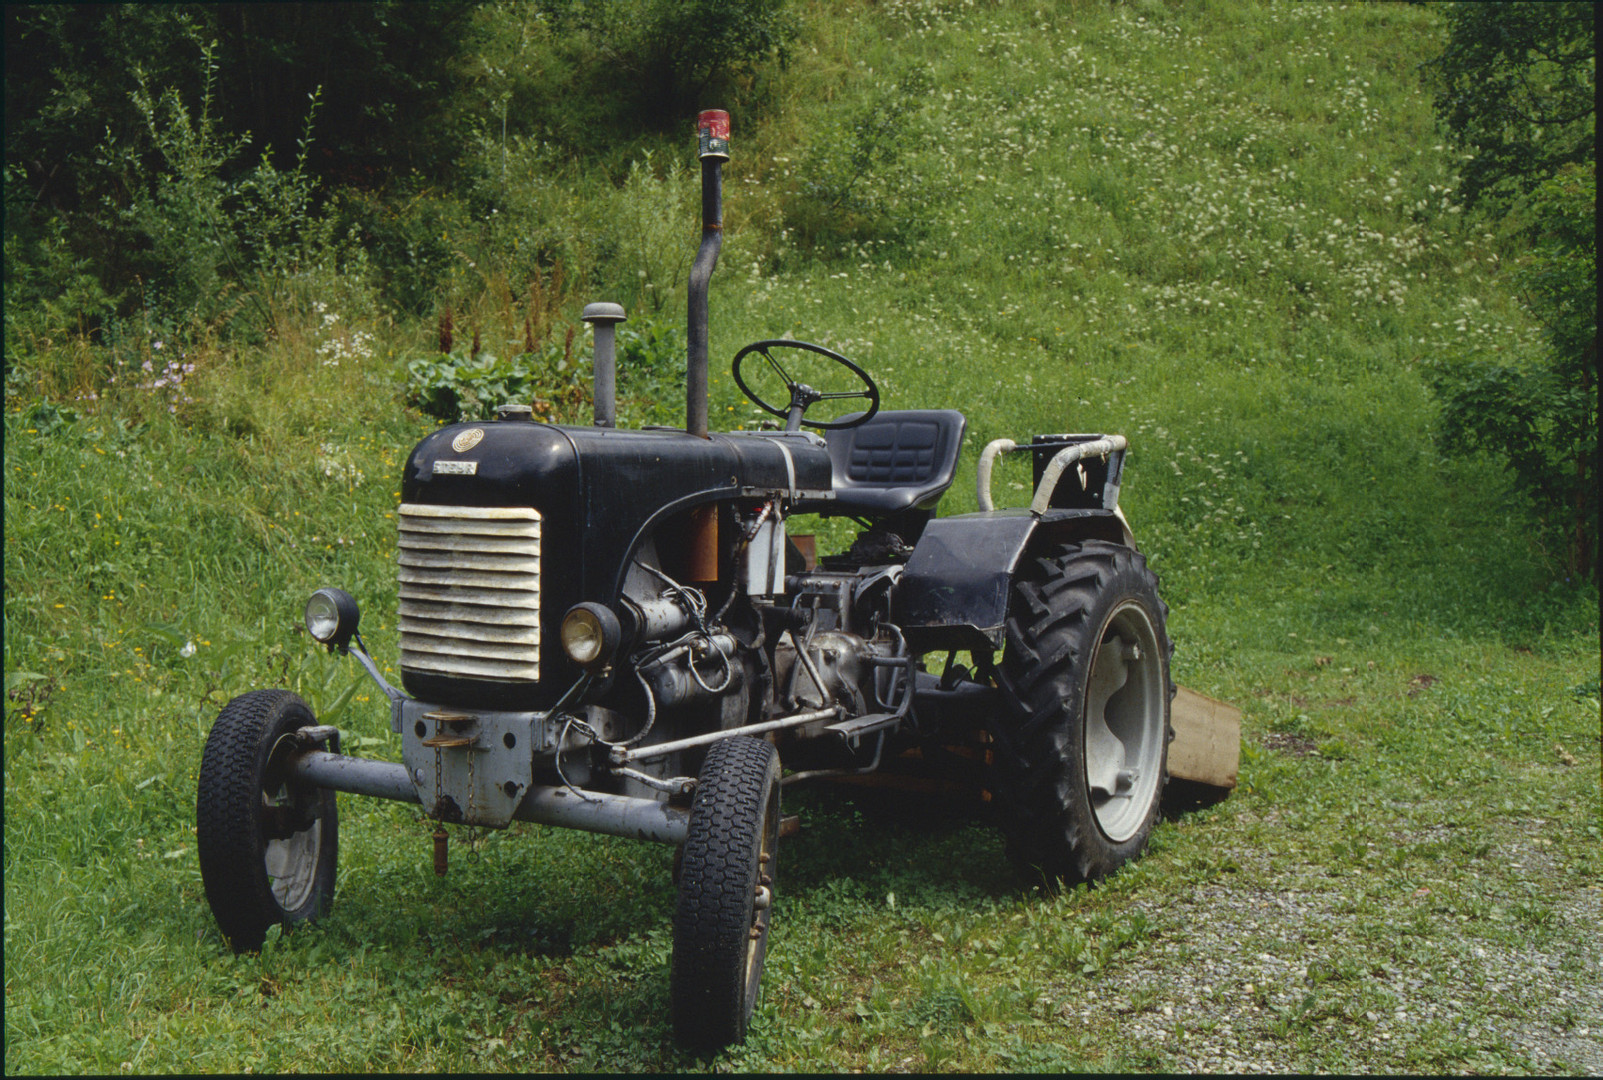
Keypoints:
(726, 875)
(268, 848)
(1083, 734)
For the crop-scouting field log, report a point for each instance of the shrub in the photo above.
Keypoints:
(1540, 416)
(453, 387)
(1516, 87)
(456, 385)
(651, 371)
(646, 233)
(1517, 84)
(569, 69)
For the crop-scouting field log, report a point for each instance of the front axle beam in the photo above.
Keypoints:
(569, 808)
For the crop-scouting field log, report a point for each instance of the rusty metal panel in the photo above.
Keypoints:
(1207, 740)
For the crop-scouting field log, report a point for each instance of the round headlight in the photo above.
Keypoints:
(589, 635)
(332, 616)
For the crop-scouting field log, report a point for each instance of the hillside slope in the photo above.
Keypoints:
(1226, 230)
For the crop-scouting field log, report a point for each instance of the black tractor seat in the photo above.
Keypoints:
(902, 459)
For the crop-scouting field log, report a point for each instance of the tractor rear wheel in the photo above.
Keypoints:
(1081, 739)
(268, 848)
(726, 878)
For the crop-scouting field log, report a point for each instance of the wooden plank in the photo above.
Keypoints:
(1207, 740)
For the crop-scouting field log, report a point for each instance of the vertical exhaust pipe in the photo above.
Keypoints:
(712, 128)
(712, 131)
(603, 319)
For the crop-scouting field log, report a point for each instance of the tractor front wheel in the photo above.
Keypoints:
(1081, 740)
(268, 848)
(726, 881)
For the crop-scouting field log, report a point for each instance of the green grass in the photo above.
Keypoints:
(1188, 232)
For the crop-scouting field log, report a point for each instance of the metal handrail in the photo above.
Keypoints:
(1102, 447)
(982, 471)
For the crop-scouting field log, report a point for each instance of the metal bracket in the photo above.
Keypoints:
(480, 762)
(359, 650)
(310, 738)
(451, 742)
(676, 785)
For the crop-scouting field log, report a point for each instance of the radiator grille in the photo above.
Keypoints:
(470, 591)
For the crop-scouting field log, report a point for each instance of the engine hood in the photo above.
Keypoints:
(601, 492)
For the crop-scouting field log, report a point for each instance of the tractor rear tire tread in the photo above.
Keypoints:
(1038, 778)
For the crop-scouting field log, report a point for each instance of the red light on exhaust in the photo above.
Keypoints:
(712, 128)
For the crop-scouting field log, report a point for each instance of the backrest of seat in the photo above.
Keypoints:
(897, 452)
(900, 459)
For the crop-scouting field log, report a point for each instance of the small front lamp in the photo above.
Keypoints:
(331, 617)
(590, 635)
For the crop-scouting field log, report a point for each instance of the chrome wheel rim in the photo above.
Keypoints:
(291, 863)
(762, 901)
(1124, 722)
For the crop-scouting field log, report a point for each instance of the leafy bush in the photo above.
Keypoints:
(1540, 417)
(1517, 89)
(651, 371)
(679, 53)
(646, 235)
(591, 74)
(451, 388)
(163, 169)
(52, 293)
(385, 70)
(198, 229)
(406, 232)
(553, 378)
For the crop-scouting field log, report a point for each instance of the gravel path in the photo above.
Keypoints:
(1320, 978)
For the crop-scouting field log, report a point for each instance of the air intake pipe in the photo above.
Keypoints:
(604, 318)
(713, 135)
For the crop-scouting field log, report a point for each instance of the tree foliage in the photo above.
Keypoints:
(382, 69)
(161, 158)
(167, 150)
(1518, 90)
(1517, 85)
(595, 73)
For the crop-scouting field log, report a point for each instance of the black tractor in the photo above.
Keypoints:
(612, 630)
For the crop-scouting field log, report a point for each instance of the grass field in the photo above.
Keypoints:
(1226, 230)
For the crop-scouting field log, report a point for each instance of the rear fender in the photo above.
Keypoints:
(954, 592)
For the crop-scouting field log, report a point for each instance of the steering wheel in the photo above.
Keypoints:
(802, 395)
